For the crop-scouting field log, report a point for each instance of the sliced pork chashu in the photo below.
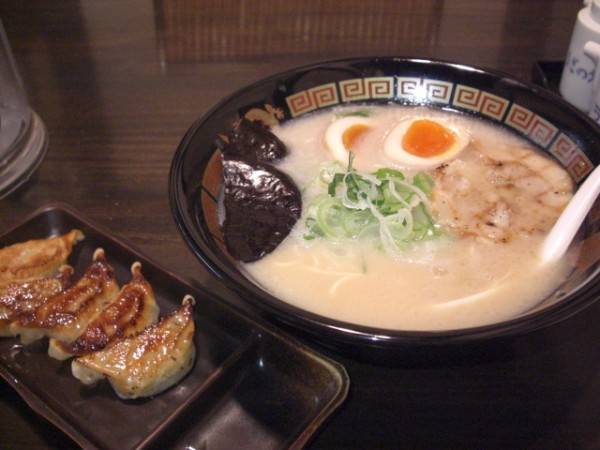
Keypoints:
(22, 298)
(66, 315)
(132, 310)
(36, 258)
(147, 363)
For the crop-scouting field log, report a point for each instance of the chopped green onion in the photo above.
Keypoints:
(386, 173)
(424, 182)
(383, 204)
(329, 217)
(337, 179)
(354, 222)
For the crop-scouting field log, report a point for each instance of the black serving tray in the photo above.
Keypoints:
(251, 386)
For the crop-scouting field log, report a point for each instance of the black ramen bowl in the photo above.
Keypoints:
(538, 116)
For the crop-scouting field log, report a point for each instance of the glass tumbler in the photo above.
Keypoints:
(23, 137)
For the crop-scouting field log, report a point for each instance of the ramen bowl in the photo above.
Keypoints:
(536, 115)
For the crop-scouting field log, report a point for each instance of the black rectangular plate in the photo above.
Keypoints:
(251, 386)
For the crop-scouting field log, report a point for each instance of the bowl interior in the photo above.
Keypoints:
(536, 115)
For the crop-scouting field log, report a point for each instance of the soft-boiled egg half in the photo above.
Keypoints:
(424, 142)
(342, 135)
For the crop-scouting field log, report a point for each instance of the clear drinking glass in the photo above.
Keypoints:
(23, 137)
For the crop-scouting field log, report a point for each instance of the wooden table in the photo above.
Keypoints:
(117, 84)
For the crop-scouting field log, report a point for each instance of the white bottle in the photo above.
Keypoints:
(578, 74)
(592, 50)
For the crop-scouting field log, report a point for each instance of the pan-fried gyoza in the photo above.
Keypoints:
(36, 258)
(132, 310)
(22, 298)
(112, 331)
(66, 315)
(148, 363)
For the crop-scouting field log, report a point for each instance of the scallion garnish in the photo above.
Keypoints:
(384, 203)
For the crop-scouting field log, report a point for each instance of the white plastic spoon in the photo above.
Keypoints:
(558, 240)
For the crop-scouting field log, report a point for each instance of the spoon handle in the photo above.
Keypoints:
(558, 240)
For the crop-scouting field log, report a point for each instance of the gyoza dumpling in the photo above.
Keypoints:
(36, 258)
(66, 315)
(21, 298)
(148, 363)
(132, 310)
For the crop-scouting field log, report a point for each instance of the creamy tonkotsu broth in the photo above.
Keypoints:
(494, 201)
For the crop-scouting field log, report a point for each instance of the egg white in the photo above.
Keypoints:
(334, 135)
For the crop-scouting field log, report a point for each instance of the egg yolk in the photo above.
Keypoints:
(427, 138)
(352, 133)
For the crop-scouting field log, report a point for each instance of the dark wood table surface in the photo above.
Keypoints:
(117, 83)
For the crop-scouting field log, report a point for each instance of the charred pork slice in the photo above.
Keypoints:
(36, 258)
(147, 363)
(262, 204)
(253, 141)
(22, 298)
(129, 313)
(66, 315)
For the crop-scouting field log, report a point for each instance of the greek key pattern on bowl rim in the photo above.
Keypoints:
(416, 90)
